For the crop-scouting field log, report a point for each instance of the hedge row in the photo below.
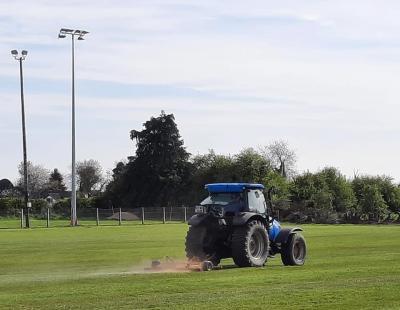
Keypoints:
(11, 207)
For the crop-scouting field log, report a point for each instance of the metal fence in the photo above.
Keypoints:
(97, 217)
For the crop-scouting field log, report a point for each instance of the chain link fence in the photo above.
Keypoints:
(96, 217)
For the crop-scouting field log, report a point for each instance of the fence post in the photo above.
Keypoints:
(142, 215)
(278, 215)
(163, 211)
(22, 218)
(120, 217)
(48, 218)
(97, 217)
(184, 214)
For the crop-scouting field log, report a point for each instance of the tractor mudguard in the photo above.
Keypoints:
(285, 233)
(243, 218)
(197, 219)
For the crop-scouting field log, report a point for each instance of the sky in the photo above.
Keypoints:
(322, 75)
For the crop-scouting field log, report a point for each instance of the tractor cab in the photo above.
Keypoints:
(233, 198)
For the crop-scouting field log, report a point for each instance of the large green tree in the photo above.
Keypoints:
(56, 182)
(158, 173)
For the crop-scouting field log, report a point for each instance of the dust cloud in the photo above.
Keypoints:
(166, 265)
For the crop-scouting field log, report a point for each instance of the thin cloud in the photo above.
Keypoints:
(320, 74)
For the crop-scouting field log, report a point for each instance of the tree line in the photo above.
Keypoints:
(162, 173)
(43, 182)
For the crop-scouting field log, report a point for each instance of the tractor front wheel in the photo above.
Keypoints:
(293, 252)
(250, 245)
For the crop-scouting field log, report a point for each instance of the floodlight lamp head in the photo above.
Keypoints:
(24, 53)
(65, 30)
(80, 38)
(61, 36)
(14, 53)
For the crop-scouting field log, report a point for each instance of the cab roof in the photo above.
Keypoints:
(232, 187)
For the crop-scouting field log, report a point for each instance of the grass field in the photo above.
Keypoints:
(94, 268)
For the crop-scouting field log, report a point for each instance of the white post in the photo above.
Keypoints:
(120, 217)
(184, 214)
(22, 218)
(142, 215)
(48, 217)
(97, 217)
(163, 210)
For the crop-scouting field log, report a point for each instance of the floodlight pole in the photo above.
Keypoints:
(73, 194)
(14, 53)
(27, 224)
(80, 34)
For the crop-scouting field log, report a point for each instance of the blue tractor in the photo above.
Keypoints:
(236, 221)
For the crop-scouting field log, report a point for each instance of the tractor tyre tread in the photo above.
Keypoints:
(194, 245)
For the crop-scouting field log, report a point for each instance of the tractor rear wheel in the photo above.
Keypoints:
(293, 252)
(200, 245)
(250, 245)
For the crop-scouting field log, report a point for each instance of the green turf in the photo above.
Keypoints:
(89, 268)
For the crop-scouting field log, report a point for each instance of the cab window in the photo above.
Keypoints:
(256, 201)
